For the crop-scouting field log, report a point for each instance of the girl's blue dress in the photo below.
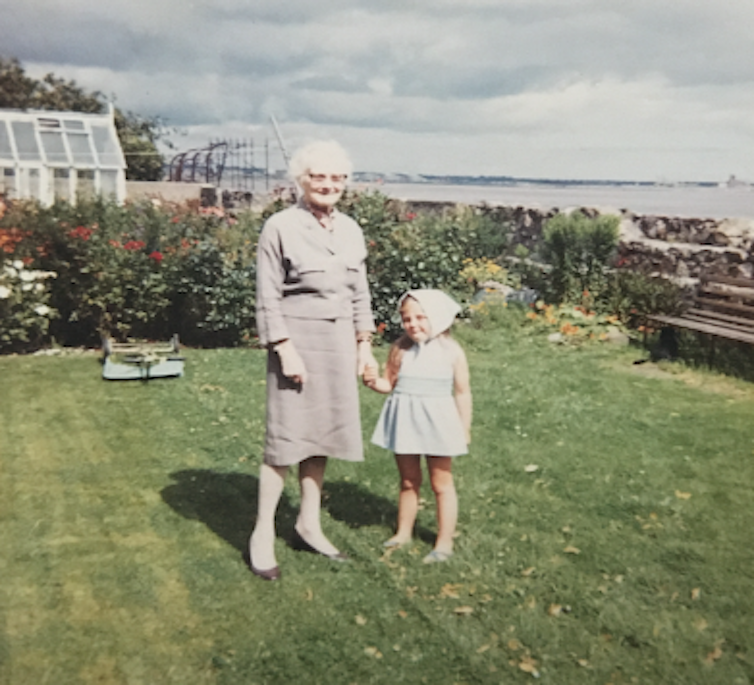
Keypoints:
(420, 416)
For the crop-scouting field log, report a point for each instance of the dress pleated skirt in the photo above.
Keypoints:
(321, 416)
(420, 417)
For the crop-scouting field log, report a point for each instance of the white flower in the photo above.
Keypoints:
(26, 275)
(26, 287)
(42, 309)
(4, 292)
(18, 264)
(11, 271)
(38, 288)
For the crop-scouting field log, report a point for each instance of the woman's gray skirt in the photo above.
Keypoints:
(320, 417)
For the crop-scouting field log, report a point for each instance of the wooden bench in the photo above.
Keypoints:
(723, 307)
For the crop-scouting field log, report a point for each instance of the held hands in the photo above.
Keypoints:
(291, 363)
(371, 375)
(365, 359)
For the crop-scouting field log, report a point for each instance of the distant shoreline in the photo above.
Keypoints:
(705, 201)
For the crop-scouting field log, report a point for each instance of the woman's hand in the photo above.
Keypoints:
(364, 358)
(291, 363)
(370, 376)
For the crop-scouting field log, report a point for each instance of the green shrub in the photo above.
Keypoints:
(409, 250)
(578, 250)
(631, 296)
(25, 313)
(139, 270)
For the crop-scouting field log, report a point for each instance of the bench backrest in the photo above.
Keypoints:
(732, 297)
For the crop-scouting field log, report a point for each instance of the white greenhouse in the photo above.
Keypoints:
(60, 155)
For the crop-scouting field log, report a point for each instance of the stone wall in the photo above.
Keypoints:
(676, 247)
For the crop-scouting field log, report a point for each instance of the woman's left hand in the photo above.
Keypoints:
(364, 358)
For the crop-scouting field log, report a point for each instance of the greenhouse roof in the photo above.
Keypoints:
(59, 139)
(47, 155)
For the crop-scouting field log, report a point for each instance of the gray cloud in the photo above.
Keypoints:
(522, 75)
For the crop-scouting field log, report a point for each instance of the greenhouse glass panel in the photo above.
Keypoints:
(108, 183)
(61, 184)
(85, 183)
(54, 148)
(74, 125)
(6, 151)
(8, 182)
(35, 188)
(106, 146)
(26, 141)
(80, 149)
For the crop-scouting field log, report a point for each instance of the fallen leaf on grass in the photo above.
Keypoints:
(572, 550)
(583, 663)
(682, 495)
(451, 590)
(402, 614)
(531, 468)
(514, 645)
(308, 595)
(715, 654)
(492, 643)
(701, 624)
(528, 571)
(530, 602)
(528, 665)
(463, 611)
(555, 609)
(360, 620)
(696, 593)
(373, 651)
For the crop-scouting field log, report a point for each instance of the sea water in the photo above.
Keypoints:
(705, 202)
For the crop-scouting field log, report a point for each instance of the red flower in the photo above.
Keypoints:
(410, 216)
(175, 220)
(114, 243)
(10, 237)
(81, 232)
(157, 256)
(134, 245)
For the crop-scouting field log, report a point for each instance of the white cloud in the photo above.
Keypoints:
(521, 87)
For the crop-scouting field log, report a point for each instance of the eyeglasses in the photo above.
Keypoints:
(319, 179)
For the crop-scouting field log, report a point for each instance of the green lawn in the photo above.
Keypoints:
(625, 557)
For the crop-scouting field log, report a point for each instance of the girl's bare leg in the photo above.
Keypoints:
(311, 474)
(262, 541)
(441, 477)
(410, 470)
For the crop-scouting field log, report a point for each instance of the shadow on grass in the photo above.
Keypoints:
(357, 507)
(227, 503)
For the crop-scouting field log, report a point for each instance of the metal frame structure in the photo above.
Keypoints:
(48, 155)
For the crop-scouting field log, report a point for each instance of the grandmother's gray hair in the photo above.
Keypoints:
(322, 156)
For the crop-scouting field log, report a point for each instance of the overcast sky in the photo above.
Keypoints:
(580, 89)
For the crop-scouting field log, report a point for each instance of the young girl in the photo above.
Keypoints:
(429, 412)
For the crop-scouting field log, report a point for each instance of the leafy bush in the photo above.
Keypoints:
(574, 323)
(140, 270)
(409, 250)
(631, 296)
(578, 250)
(25, 313)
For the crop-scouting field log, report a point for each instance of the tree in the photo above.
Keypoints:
(138, 135)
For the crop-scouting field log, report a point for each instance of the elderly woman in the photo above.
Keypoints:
(314, 315)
